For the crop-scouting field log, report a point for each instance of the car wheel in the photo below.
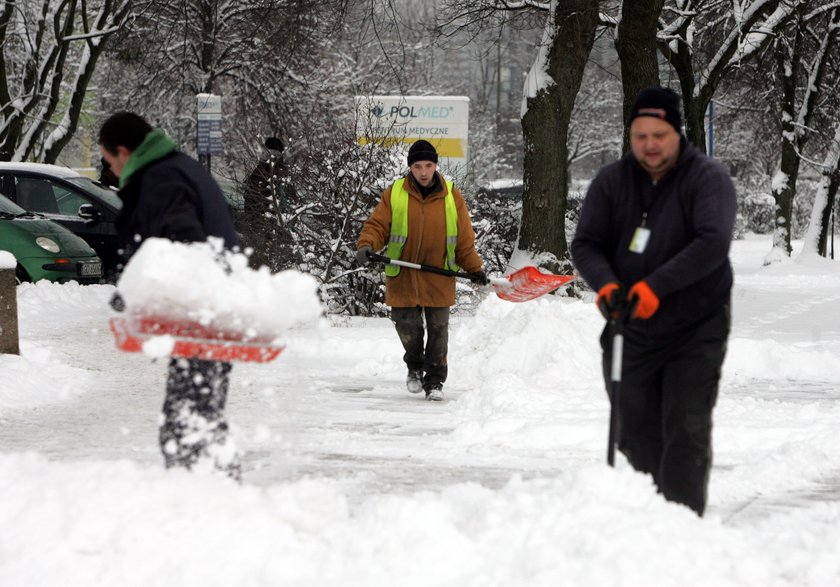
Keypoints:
(21, 276)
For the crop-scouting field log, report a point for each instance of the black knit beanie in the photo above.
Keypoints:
(658, 102)
(422, 151)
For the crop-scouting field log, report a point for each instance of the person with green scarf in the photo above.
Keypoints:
(167, 194)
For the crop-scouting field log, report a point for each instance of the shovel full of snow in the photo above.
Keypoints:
(520, 286)
(196, 300)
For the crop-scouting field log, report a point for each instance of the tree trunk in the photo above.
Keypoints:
(695, 120)
(545, 125)
(816, 238)
(783, 187)
(636, 46)
(825, 221)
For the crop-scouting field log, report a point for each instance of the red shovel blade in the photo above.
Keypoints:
(529, 283)
(192, 340)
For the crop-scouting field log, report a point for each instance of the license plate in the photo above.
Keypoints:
(90, 269)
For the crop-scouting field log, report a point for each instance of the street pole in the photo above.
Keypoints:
(9, 338)
(208, 128)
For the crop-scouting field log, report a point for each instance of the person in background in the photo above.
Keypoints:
(268, 194)
(168, 194)
(422, 218)
(653, 239)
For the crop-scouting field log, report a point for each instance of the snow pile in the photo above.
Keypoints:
(203, 283)
(772, 360)
(593, 526)
(527, 365)
(36, 379)
(44, 304)
(352, 481)
(42, 374)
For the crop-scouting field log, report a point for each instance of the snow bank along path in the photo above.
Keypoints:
(352, 481)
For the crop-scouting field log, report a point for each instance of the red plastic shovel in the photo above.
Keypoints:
(192, 340)
(520, 286)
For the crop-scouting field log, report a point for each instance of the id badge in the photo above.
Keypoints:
(640, 240)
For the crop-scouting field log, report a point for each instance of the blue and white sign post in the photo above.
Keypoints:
(209, 135)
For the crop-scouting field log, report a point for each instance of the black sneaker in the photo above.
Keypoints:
(435, 392)
(414, 381)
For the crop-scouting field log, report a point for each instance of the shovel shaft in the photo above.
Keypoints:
(613, 424)
(615, 389)
(388, 261)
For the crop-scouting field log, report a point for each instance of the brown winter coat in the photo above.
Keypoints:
(426, 244)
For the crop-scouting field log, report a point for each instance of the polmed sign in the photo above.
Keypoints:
(441, 120)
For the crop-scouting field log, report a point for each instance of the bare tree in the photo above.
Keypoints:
(256, 53)
(548, 101)
(50, 50)
(705, 40)
(803, 52)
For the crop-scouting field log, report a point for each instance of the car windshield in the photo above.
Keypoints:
(90, 186)
(7, 207)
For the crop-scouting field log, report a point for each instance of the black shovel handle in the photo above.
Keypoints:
(617, 354)
(431, 269)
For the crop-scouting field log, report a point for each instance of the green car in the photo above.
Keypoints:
(44, 249)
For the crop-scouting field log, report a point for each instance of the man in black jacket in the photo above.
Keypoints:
(654, 236)
(169, 195)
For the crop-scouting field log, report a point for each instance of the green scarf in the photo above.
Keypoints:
(156, 145)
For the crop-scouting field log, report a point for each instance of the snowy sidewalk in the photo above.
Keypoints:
(350, 480)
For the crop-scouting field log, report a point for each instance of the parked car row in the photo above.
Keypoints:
(63, 196)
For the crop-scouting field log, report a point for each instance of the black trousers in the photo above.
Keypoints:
(428, 356)
(667, 393)
(194, 426)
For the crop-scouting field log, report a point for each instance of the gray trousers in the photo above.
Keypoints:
(193, 427)
(425, 345)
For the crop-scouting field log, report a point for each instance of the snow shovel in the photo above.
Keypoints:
(190, 340)
(520, 286)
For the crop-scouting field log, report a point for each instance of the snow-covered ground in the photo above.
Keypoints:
(352, 481)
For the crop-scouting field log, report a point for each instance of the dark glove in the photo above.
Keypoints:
(643, 301)
(611, 300)
(480, 277)
(117, 302)
(362, 255)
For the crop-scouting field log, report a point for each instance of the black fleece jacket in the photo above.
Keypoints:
(176, 198)
(691, 215)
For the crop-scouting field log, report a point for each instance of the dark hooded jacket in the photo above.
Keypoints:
(168, 194)
(691, 215)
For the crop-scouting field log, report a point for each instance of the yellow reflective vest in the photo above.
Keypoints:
(399, 226)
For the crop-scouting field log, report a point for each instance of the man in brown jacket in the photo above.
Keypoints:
(423, 219)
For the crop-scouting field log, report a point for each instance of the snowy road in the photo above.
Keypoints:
(305, 414)
(524, 401)
(334, 403)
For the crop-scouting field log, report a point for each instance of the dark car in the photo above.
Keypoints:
(78, 203)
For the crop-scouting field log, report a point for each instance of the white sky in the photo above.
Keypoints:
(350, 480)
